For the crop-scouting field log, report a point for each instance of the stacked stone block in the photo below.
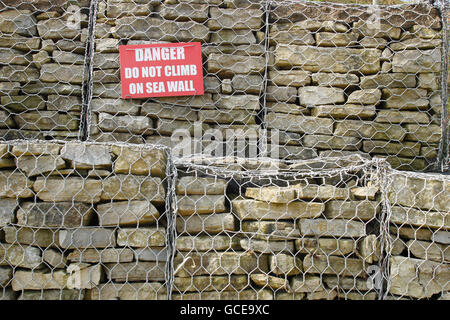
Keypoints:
(419, 237)
(42, 70)
(340, 83)
(82, 221)
(89, 220)
(233, 61)
(297, 238)
(333, 82)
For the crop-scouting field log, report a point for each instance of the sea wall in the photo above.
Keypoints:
(276, 237)
(82, 221)
(329, 79)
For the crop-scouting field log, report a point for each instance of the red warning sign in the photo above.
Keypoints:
(161, 70)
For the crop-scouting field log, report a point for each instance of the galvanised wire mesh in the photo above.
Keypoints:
(330, 79)
(357, 79)
(334, 79)
(256, 232)
(111, 220)
(232, 38)
(84, 221)
(336, 228)
(419, 236)
(42, 68)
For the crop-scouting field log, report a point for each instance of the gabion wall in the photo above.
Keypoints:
(277, 237)
(42, 70)
(355, 88)
(117, 215)
(334, 79)
(130, 224)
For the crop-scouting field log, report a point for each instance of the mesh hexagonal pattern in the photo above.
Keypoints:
(330, 79)
(118, 221)
(281, 182)
(344, 228)
(352, 79)
(419, 236)
(43, 69)
(234, 60)
(286, 233)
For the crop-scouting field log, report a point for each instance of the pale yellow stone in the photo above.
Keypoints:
(141, 161)
(141, 237)
(267, 281)
(271, 194)
(259, 210)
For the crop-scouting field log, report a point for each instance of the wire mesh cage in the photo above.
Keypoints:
(43, 69)
(357, 79)
(333, 79)
(281, 182)
(83, 220)
(419, 237)
(233, 67)
(119, 221)
(288, 234)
